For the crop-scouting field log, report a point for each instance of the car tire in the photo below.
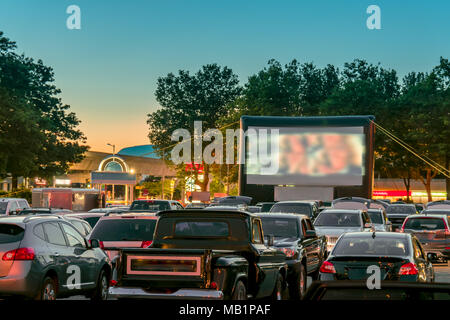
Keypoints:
(278, 291)
(48, 290)
(240, 291)
(101, 290)
(297, 287)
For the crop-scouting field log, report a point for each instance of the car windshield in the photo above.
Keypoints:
(124, 230)
(368, 246)
(401, 209)
(300, 208)
(425, 224)
(376, 217)
(279, 227)
(195, 229)
(150, 205)
(338, 219)
(10, 233)
(3, 206)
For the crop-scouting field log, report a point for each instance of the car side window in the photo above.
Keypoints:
(23, 204)
(304, 228)
(179, 206)
(73, 236)
(256, 229)
(13, 207)
(54, 233)
(39, 232)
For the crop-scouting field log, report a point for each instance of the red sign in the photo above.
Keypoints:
(190, 167)
(391, 193)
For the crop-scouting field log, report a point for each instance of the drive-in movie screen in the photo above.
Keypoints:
(218, 159)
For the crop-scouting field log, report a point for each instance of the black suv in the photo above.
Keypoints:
(45, 257)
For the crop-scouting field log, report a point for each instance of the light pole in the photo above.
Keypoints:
(114, 153)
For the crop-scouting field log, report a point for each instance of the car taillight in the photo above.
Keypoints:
(408, 269)
(213, 285)
(19, 254)
(289, 252)
(112, 283)
(146, 244)
(327, 267)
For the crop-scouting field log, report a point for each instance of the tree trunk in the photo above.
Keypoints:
(407, 183)
(14, 183)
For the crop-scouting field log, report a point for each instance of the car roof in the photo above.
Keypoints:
(443, 216)
(297, 201)
(364, 234)
(441, 211)
(281, 215)
(204, 212)
(85, 214)
(129, 216)
(401, 205)
(342, 210)
(26, 219)
(11, 199)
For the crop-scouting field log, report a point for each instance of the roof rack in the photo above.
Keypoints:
(41, 215)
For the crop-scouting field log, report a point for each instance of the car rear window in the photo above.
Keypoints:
(124, 230)
(300, 208)
(338, 219)
(278, 227)
(425, 224)
(92, 221)
(150, 205)
(376, 217)
(401, 209)
(11, 233)
(378, 246)
(195, 229)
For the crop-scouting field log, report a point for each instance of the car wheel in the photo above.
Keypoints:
(240, 291)
(278, 290)
(101, 291)
(48, 290)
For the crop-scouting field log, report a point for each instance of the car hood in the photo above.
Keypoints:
(335, 231)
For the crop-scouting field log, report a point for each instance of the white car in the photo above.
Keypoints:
(12, 206)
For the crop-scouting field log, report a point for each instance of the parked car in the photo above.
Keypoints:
(294, 235)
(202, 254)
(436, 211)
(40, 256)
(124, 231)
(358, 203)
(254, 209)
(12, 206)
(91, 218)
(32, 211)
(389, 290)
(380, 220)
(308, 208)
(265, 206)
(397, 213)
(440, 204)
(110, 210)
(196, 205)
(433, 231)
(155, 205)
(399, 256)
(334, 222)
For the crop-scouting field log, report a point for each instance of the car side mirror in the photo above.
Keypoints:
(431, 256)
(310, 234)
(95, 243)
(270, 240)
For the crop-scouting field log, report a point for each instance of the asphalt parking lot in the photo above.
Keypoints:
(442, 272)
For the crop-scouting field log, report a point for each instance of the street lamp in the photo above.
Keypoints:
(114, 148)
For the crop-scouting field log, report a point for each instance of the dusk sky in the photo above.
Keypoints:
(107, 71)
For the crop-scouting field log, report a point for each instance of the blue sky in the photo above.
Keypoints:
(108, 70)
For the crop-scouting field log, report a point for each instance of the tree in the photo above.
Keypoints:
(28, 84)
(185, 98)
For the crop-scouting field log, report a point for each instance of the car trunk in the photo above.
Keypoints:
(165, 269)
(355, 268)
(112, 247)
(10, 237)
(5, 266)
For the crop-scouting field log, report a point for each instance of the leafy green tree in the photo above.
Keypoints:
(38, 112)
(185, 98)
